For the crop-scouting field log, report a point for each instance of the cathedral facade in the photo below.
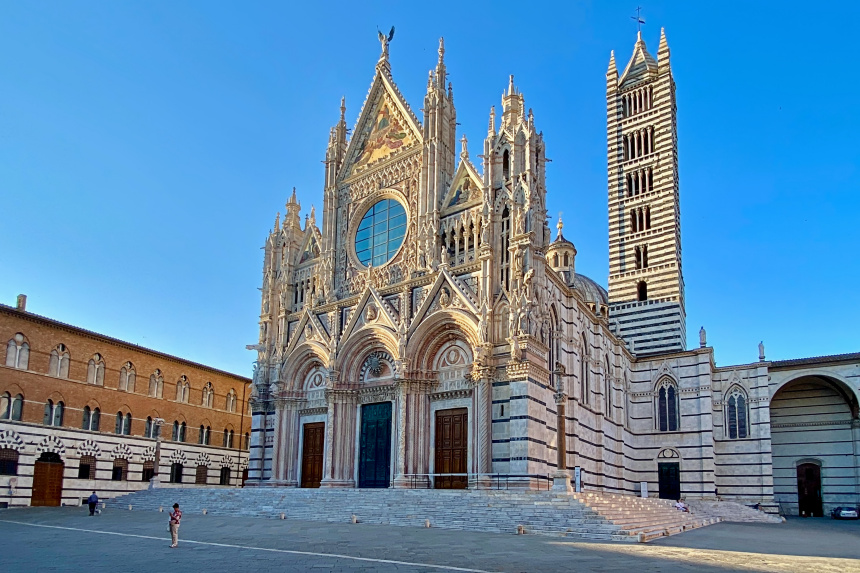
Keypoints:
(432, 332)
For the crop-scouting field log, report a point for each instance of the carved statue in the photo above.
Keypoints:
(309, 332)
(761, 351)
(401, 347)
(485, 231)
(703, 337)
(527, 283)
(444, 298)
(385, 40)
(516, 351)
(520, 222)
(370, 313)
(483, 324)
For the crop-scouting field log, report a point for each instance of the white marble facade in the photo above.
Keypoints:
(434, 285)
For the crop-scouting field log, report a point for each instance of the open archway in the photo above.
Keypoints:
(812, 424)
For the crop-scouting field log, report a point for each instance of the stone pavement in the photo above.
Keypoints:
(67, 539)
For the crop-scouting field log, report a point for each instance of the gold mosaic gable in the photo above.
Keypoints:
(384, 132)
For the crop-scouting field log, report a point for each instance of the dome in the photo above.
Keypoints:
(589, 290)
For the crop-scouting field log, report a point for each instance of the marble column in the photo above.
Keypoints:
(339, 459)
(482, 429)
(288, 444)
(413, 435)
(561, 477)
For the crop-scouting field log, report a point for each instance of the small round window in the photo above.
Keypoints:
(380, 233)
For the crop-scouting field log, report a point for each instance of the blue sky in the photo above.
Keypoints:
(146, 146)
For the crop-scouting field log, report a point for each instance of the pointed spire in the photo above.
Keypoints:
(450, 92)
(440, 65)
(612, 70)
(313, 215)
(343, 108)
(464, 153)
(277, 221)
(663, 53)
(511, 85)
(293, 200)
(492, 128)
(531, 120)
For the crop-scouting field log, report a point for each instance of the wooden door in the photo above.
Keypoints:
(669, 475)
(312, 454)
(809, 490)
(452, 430)
(48, 481)
(374, 460)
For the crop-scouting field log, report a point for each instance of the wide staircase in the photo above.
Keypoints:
(593, 516)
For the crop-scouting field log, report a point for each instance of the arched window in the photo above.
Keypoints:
(53, 413)
(8, 462)
(505, 264)
(583, 371)
(96, 370)
(208, 395)
(247, 441)
(224, 478)
(183, 389)
(607, 380)
(91, 419)
(127, 377)
(555, 260)
(18, 352)
(736, 414)
(642, 291)
(11, 408)
(226, 435)
(123, 424)
(120, 470)
(149, 429)
(182, 432)
(506, 164)
(230, 439)
(175, 436)
(231, 400)
(203, 436)
(667, 406)
(156, 384)
(59, 363)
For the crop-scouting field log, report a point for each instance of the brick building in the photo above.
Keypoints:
(80, 411)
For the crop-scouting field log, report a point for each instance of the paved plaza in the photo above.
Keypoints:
(67, 539)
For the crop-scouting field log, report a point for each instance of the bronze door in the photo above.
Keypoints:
(312, 454)
(48, 480)
(451, 448)
(809, 490)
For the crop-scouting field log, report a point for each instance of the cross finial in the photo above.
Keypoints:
(639, 19)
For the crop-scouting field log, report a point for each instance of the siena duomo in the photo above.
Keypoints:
(433, 333)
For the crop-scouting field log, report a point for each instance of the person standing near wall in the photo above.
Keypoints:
(173, 525)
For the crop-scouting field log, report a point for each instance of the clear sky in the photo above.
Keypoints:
(146, 146)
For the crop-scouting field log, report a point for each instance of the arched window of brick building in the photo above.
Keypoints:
(96, 370)
(59, 362)
(87, 468)
(120, 470)
(18, 352)
(91, 419)
(127, 377)
(11, 408)
(53, 413)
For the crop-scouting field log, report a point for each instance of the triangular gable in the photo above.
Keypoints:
(308, 330)
(465, 191)
(310, 248)
(465, 297)
(381, 316)
(641, 63)
(386, 127)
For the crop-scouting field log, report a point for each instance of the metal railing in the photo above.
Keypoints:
(496, 481)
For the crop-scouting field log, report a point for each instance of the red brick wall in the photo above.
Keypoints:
(43, 335)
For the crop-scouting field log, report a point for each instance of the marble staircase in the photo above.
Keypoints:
(731, 511)
(595, 516)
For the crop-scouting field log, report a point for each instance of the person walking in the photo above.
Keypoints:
(93, 501)
(173, 524)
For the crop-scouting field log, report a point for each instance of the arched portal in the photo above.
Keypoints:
(814, 443)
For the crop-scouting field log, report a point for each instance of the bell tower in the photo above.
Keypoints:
(646, 282)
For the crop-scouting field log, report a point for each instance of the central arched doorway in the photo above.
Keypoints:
(812, 440)
(374, 456)
(48, 480)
